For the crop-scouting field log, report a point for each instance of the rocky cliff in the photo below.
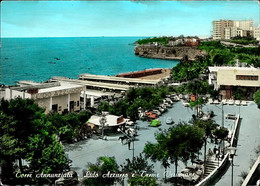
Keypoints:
(162, 52)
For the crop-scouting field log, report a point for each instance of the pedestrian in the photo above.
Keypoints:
(215, 149)
(210, 153)
(128, 144)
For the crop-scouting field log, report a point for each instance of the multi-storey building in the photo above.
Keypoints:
(227, 29)
(244, 25)
(219, 28)
(256, 33)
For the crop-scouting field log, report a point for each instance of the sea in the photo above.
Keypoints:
(39, 59)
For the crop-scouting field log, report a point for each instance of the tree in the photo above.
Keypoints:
(257, 98)
(26, 134)
(220, 133)
(178, 143)
(46, 155)
(239, 93)
(104, 165)
(132, 111)
(208, 126)
(138, 165)
(21, 118)
(184, 142)
(142, 180)
(158, 151)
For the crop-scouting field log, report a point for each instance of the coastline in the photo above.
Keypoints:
(169, 52)
(166, 58)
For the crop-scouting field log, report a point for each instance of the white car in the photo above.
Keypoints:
(169, 121)
(186, 174)
(69, 178)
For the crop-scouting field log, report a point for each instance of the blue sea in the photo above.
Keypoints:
(39, 59)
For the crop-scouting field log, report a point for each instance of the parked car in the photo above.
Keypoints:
(186, 174)
(155, 123)
(169, 121)
(69, 178)
(231, 116)
(157, 112)
(195, 169)
(198, 163)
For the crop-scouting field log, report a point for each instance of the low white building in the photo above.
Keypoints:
(59, 97)
(227, 79)
(111, 120)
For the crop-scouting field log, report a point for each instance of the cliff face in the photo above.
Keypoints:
(162, 52)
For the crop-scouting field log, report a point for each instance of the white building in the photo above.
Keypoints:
(111, 120)
(244, 24)
(227, 29)
(227, 79)
(53, 96)
(256, 33)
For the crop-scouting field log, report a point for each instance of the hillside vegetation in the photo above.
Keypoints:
(218, 55)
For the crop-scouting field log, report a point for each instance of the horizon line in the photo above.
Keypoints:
(99, 36)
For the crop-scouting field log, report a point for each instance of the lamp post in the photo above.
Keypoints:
(129, 138)
(102, 122)
(232, 152)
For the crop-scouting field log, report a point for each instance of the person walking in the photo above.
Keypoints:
(128, 141)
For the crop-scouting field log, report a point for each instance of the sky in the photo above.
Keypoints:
(119, 18)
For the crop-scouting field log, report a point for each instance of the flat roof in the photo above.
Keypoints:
(111, 120)
(232, 68)
(63, 86)
(118, 79)
(111, 86)
(98, 93)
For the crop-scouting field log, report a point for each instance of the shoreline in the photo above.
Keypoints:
(165, 58)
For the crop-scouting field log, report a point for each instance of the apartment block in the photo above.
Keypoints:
(227, 29)
(219, 28)
(256, 33)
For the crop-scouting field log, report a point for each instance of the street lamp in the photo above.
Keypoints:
(102, 122)
(129, 138)
(232, 152)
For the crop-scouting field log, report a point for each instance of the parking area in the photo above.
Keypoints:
(88, 151)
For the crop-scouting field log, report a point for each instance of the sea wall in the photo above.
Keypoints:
(163, 52)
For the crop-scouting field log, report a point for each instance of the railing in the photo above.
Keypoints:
(224, 161)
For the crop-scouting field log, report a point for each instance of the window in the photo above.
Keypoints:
(54, 108)
(248, 78)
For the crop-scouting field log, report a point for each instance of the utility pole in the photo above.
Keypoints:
(130, 139)
(102, 122)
